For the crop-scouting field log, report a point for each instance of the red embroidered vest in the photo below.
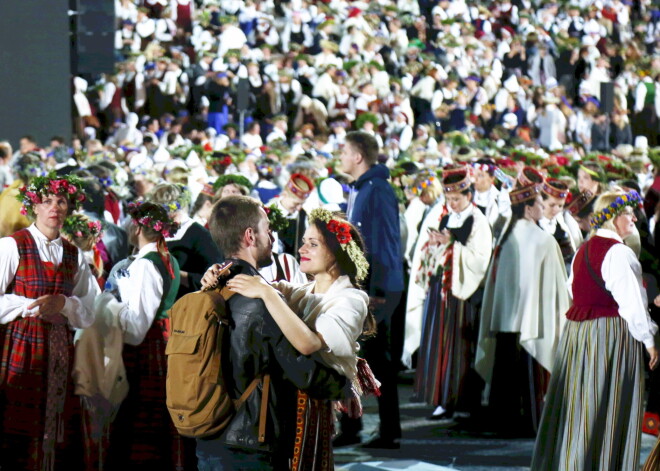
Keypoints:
(590, 298)
(35, 278)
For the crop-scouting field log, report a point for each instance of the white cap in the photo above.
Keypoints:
(331, 191)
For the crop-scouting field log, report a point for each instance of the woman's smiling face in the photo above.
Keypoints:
(315, 256)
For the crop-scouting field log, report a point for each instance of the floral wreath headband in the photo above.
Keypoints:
(276, 219)
(152, 218)
(343, 232)
(39, 187)
(423, 185)
(631, 199)
(80, 226)
(184, 200)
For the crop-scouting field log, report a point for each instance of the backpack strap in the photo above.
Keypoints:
(263, 412)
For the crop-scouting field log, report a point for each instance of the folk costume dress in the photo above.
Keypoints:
(338, 315)
(40, 425)
(143, 433)
(417, 292)
(525, 298)
(594, 406)
(450, 321)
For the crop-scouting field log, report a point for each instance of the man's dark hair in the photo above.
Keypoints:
(29, 137)
(365, 144)
(59, 139)
(230, 218)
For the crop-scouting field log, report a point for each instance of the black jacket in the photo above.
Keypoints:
(257, 346)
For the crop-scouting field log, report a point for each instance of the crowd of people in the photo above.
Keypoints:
(473, 188)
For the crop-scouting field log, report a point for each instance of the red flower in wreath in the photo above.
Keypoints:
(341, 229)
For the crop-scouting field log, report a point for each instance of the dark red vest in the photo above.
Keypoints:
(590, 298)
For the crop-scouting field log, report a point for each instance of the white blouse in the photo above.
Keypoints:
(77, 307)
(141, 293)
(622, 274)
(338, 315)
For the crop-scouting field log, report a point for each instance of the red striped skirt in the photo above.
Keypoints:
(23, 393)
(143, 433)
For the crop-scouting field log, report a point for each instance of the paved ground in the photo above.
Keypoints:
(428, 442)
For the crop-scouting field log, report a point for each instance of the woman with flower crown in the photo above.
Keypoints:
(332, 315)
(594, 406)
(143, 435)
(453, 264)
(191, 244)
(46, 291)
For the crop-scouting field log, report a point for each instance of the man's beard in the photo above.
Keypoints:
(264, 258)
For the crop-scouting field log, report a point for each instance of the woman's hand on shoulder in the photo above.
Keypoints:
(249, 286)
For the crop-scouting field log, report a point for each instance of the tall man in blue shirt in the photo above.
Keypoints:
(374, 209)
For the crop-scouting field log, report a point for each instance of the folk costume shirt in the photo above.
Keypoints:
(525, 292)
(76, 308)
(142, 292)
(622, 274)
(338, 315)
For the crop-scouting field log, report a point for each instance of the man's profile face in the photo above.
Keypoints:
(263, 242)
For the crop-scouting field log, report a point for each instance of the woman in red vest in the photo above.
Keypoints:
(593, 411)
(46, 290)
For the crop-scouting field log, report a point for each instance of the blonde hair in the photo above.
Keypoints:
(433, 188)
(165, 193)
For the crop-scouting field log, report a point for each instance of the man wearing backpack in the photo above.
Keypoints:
(257, 347)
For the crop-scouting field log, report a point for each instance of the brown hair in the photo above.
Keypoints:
(230, 218)
(346, 265)
(364, 144)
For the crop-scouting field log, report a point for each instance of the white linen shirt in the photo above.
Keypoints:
(77, 307)
(622, 274)
(141, 293)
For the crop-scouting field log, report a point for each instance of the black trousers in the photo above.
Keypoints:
(378, 353)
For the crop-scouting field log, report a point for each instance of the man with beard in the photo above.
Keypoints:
(239, 225)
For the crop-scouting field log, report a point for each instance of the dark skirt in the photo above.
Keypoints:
(24, 355)
(143, 433)
(517, 389)
(445, 375)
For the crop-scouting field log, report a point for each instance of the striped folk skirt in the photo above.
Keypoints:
(314, 428)
(143, 434)
(447, 350)
(593, 410)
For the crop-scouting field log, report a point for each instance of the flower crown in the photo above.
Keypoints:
(631, 199)
(33, 194)
(184, 200)
(149, 216)
(278, 222)
(424, 184)
(80, 226)
(227, 179)
(343, 232)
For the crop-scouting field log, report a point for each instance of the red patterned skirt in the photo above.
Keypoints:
(314, 429)
(23, 394)
(143, 434)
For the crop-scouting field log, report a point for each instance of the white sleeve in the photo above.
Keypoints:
(78, 307)
(622, 273)
(12, 306)
(341, 324)
(640, 96)
(142, 292)
(406, 138)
